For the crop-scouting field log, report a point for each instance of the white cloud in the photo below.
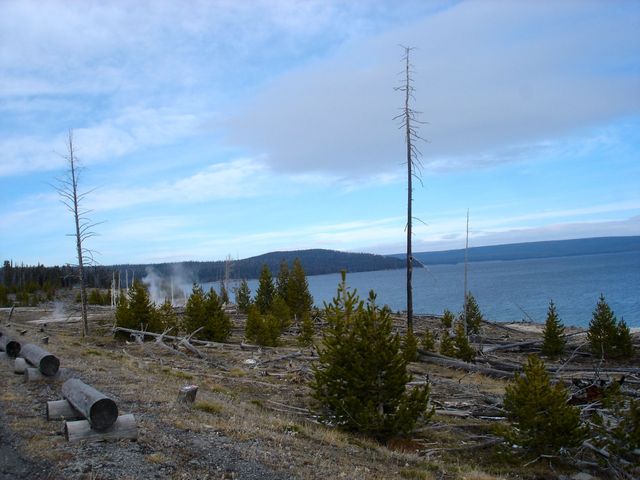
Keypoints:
(495, 81)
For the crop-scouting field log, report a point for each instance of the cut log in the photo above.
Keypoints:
(123, 428)
(35, 375)
(10, 346)
(187, 394)
(468, 367)
(95, 406)
(44, 361)
(19, 366)
(62, 410)
(4, 356)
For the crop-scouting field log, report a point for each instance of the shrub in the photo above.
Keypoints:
(262, 329)
(360, 379)
(553, 332)
(542, 420)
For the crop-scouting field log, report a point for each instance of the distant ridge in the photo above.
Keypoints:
(523, 251)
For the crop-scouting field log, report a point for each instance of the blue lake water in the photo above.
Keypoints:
(505, 290)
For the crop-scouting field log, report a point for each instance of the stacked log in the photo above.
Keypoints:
(100, 411)
(123, 428)
(8, 345)
(44, 361)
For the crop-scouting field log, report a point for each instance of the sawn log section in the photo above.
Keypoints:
(99, 410)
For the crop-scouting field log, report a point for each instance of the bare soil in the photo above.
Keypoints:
(253, 418)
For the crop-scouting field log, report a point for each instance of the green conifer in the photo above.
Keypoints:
(472, 314)
(543, 421)
(282, 281)
(168, 317)
(280, 310)
(410, 346)
(265, 292)
(262, 329)
(298, 297)
(195, 311)
(360, 379)
(224, 294)
(603, 330)
(137, 311)
(553, 333)
(622, 343)
(305, 337)
(447, 318)
(428, 342)
(446, 345)
(218, 326)
(243, 297)
(462, 349)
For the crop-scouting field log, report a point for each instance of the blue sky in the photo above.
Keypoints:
(215, 128)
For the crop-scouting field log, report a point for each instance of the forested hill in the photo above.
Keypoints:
(314, 262)
(521, 251)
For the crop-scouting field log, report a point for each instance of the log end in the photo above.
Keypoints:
(49, 365)
(103, 414)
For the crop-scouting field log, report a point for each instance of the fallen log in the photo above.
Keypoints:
(10, 346)
(100, 411)
(123, 428)
(19, 366)
(44, 361)
(3, 356)
(468, 367)
(35, 375)
(62, 410)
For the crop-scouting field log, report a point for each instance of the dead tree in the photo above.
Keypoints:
(408, 119)
(72, 198)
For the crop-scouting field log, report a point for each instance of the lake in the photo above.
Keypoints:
(506, 290)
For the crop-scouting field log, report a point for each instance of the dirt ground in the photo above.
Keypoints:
(253, 418)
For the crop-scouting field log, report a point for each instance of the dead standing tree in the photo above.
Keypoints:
(408, 119)
(72, 198)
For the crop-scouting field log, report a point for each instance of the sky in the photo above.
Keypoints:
(208, 129)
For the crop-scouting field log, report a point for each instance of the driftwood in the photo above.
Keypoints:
(35, 375)
(62, 410)
(123, 428)
(19, 366)
(96, 407)
(10, 346)
(460, 365)
(47, 363)
(187, 394)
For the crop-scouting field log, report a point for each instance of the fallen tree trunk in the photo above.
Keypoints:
(35, 375)
(62, 410)
(10, 346)
(468, 367)
(123, 428)
(96, 407)
(44, 361)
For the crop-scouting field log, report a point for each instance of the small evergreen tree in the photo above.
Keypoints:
(472, 314)
(224, 295)
(243, 297)
(553, 333)
(168, 317)
(195, 311)
(266, 291)
(410, 347)
(462, 349)
(282, 281)
(218, 325)
(360, 379)
(446, 345)
(623, 343)
(606, 337)
(305, 337)
(280, 310)
(262, 329)
(447, 318)
(428, 342)
(298, 297)
(137, 311)
(543, 421)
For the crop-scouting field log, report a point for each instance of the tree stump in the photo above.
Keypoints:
(47, 363)
(187, 394)
(123, 428)
(100, 411)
